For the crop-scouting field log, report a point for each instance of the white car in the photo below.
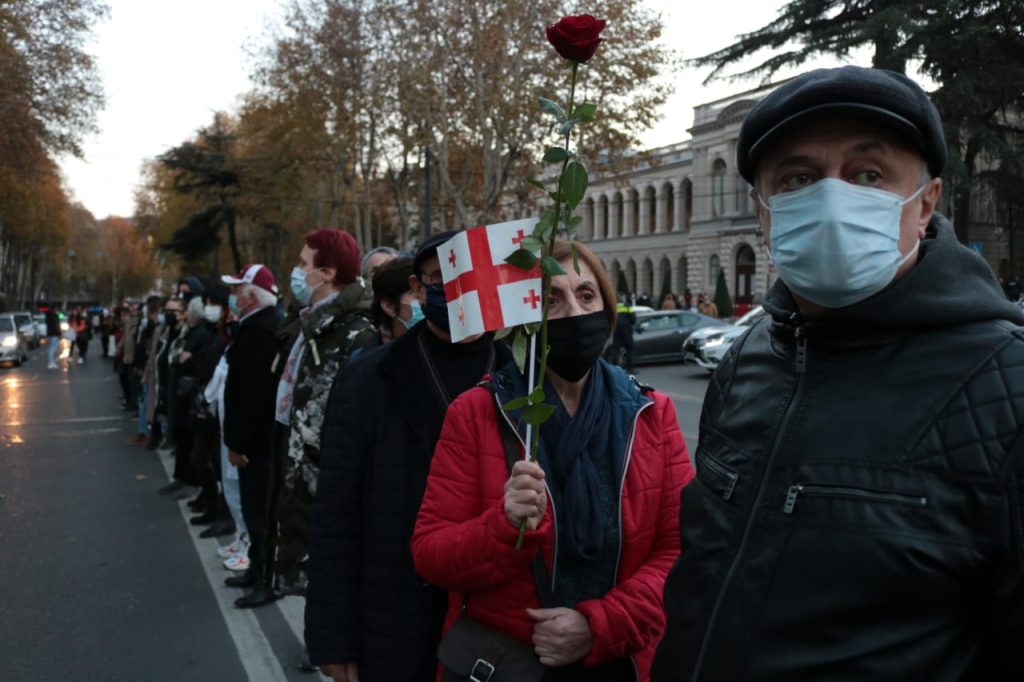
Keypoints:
(13, 347)
(706, 347)
(27, 327)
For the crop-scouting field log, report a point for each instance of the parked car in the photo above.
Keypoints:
(658, 333)
(28, 329)
(40, 319)
(13, 347)
(707, 346)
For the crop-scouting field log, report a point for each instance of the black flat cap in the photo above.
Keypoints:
(428, 247)
(884, 97)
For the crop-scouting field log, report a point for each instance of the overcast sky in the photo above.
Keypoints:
(166, 67)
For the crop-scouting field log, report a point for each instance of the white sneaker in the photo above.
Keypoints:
(52, 367)
(238, 562)
(240, 544)
(80, 360)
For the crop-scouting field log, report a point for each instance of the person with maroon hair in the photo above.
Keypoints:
(334, 322)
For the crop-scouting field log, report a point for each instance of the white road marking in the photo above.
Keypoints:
(254, 649)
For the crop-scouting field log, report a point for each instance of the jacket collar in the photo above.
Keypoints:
(322, 318)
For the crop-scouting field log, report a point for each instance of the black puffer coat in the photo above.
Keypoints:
(857, 513)
(364, 602)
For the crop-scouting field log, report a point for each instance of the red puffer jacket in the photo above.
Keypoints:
(464, 543)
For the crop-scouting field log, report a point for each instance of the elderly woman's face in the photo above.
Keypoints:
(573, 294)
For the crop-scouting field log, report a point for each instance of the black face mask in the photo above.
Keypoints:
(171, 319)
(575, 343)
(436, 309)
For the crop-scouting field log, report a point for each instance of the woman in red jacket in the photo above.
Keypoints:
(601, 504)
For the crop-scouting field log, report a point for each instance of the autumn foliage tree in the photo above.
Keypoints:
(371, 115)
(49, 96)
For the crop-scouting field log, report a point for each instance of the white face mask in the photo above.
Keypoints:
(835, 243)
(212, 313)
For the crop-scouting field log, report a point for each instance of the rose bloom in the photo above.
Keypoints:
(576, 38)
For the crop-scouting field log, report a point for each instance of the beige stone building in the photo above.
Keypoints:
(684, 214)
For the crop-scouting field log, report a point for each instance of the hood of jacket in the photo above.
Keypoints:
(950, 284)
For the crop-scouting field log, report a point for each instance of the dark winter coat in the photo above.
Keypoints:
(251, 388)
(857, 512)
(330, 333)
(365, 602)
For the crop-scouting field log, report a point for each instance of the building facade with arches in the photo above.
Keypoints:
(676, 219)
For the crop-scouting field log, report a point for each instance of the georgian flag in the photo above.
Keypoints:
(484, 292)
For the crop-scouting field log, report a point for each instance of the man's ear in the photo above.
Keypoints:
(388, 307)
(929, 200)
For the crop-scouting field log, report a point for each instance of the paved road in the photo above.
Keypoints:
(102, 578)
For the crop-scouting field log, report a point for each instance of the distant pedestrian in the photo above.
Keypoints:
(706, 306)
(53, 338)
(668, 302)
(83, 334)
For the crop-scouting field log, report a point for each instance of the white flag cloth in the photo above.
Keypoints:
(484, 292)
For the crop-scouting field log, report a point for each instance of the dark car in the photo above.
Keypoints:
(658, 334)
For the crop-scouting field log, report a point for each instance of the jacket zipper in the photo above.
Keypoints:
(799, 489)
(622, 485)
(551, 500)
(720, 469)
(801, 369)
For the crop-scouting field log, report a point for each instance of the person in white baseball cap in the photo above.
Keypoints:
(249, 394)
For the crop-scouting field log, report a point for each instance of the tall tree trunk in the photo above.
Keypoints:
(233, 239)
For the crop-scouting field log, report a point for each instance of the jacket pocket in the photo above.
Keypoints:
(718, 478)
(799, 490)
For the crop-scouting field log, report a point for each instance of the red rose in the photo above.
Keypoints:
(576, 38)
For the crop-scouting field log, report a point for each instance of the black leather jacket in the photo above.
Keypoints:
(857, 512)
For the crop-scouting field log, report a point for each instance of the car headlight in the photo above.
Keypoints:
(10, 342)
(714, 341)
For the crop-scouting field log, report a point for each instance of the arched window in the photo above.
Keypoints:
(714, 265)
(670, 208)
(718, 171)
(746, 266)
(651, 197)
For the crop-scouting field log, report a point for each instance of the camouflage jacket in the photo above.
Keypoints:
(330, 333)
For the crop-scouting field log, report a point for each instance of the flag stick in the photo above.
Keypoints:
(529, 389)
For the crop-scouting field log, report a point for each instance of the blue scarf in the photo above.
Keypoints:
(575, 447)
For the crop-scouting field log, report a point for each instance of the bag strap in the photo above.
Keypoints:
(510, 441)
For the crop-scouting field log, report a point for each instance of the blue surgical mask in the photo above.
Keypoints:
(417, 315)
(835, 243)
(233, 306)
(302, 292)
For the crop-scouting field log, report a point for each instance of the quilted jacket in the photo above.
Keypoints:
(858, 502)
(464, 543)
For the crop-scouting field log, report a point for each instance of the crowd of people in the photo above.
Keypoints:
(855, 509)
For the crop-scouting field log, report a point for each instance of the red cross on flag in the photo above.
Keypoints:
(484, 292)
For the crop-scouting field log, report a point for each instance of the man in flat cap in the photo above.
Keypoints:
(857, 513)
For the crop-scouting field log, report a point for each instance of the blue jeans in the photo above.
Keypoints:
(53, 343)
(143, 427)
